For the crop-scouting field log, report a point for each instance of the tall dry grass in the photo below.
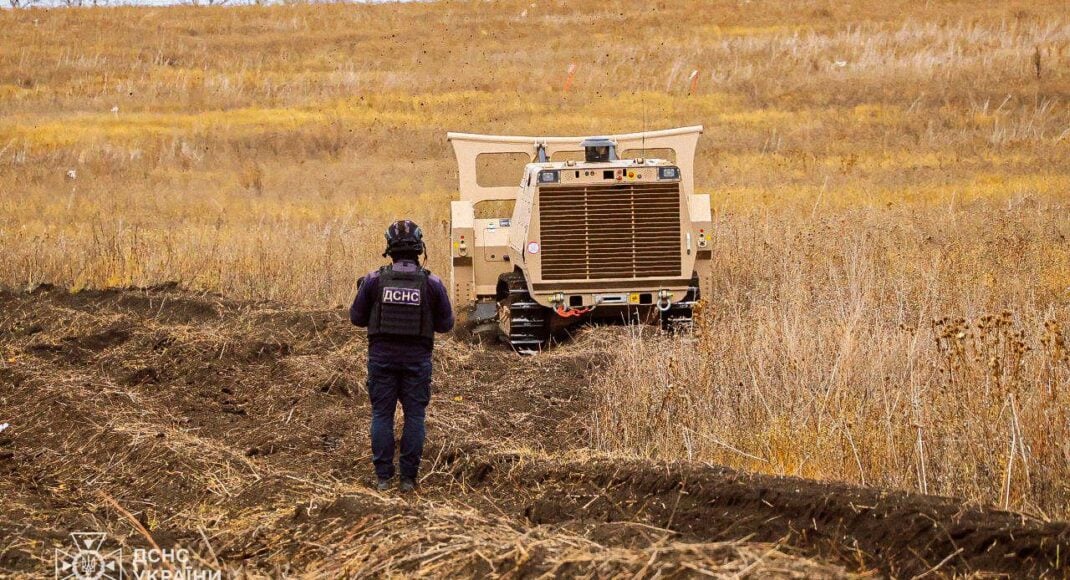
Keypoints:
(874, 166)
(914, 350)
(259, 150)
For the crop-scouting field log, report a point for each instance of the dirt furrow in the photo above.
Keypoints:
(239, 430)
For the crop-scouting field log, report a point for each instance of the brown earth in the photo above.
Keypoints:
(239, 430)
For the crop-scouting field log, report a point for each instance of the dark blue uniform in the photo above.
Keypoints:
(399, 361)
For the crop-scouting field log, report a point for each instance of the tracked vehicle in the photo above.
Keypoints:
(599, 228)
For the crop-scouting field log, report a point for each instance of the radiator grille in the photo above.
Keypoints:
(617, 231)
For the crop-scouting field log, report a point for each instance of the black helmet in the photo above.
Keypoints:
(404, 236)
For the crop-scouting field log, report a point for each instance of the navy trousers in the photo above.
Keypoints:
(389, 383)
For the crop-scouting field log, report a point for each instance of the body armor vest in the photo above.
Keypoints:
(403, 307)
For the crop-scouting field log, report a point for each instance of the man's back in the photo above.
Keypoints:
(402, 306)
(401, 348)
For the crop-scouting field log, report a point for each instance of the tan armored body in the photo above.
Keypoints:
(596, 230)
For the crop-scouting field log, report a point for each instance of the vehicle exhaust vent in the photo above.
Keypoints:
(618, 231)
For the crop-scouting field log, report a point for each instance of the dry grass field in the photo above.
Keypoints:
(257, 151)
(890, 181)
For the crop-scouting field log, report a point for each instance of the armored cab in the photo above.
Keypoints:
(599, 228)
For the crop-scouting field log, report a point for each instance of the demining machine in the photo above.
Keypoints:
(605, 228)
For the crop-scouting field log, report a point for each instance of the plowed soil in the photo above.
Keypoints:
(239, 431)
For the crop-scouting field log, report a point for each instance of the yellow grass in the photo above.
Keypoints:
(874, 166)
(914, 350)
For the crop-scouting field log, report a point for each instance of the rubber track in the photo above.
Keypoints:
(529, 321)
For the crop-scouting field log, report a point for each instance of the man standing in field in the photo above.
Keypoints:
(403, 306)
